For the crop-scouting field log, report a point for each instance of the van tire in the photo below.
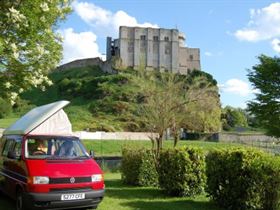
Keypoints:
(20, 204)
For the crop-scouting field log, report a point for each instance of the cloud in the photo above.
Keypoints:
(264, 24)
(79, 45)
(276, 45)
(104, 21)
(209, 54)
(238, 87)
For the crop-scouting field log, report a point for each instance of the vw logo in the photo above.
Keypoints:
(72, 180)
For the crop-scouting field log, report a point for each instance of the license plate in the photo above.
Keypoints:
(74, 196)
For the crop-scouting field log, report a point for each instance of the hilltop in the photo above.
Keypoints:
(99, 101)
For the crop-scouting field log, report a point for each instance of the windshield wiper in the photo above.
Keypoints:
(80, 157)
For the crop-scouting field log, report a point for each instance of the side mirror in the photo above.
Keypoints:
(91, 153)
(12, 155)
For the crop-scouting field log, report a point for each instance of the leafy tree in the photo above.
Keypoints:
(233, 117)
(172, 101)
(265, 77)
(5, 108)
(29, 45)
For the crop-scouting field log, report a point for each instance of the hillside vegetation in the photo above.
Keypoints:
(99, 101)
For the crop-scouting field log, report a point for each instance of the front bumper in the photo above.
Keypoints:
(52, 200)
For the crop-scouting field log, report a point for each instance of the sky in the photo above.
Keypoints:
(231, 34)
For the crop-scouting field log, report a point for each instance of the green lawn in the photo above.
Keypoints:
(114, 147)
(121, 197)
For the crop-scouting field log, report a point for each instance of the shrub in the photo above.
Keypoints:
(138, 167)
(243, 179)
(22, 106)
(182, 171)
(267, 174)
(5, 108)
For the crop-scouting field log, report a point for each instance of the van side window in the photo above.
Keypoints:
(8, 147)
(17, 148)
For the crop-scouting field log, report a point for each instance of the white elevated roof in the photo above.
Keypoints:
(48, 119)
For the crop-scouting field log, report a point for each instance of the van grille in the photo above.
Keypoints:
(68, 190)
(67, 180)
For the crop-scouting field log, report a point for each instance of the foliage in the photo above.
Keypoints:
(265, 77)
(29, 45)
(5, 108)
(177, 101)
(233, 117)
(243, 179)
(182, 171)
(138, 167)
(116, 102)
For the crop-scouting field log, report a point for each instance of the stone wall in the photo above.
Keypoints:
(114, 135)
(153, 48)
(104, 65)
(244, 138)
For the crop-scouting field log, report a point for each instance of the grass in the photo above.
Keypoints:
(122, 197)
(114, 147)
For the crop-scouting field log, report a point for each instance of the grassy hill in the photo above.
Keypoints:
(99, 101)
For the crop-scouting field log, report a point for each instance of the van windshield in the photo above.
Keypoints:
(54, 148)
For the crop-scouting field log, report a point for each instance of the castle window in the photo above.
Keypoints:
(130, 47)
(166, 38)
(191, 57)
(167, 50)
(155, 38)
(143, 37)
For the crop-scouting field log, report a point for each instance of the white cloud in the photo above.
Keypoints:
(211, 54)
(104, 21)
(238, 87)
(276, 45)
(79, 45)
(208, 54)
(264, 24)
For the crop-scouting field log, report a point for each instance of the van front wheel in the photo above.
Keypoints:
(19, 201)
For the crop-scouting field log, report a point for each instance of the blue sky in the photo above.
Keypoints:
(230, 34)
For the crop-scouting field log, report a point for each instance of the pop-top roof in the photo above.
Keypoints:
(35, 118)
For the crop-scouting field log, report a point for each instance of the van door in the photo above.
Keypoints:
(12, 167)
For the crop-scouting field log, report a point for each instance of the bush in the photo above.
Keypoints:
(22, 106)
(182, 171)
(138, 167)
(243, 179)
(5, 108)
(267, 174)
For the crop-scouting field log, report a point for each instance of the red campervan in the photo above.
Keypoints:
(43, 166)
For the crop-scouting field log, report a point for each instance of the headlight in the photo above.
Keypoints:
(41, 180)
(97, 178)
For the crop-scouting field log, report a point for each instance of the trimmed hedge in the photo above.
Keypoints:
(243, 179)
(182, 171)
(138, 167)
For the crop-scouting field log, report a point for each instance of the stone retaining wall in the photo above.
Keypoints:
(114, 135)
(104, 65)
(244, 138)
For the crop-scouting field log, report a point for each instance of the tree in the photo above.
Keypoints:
(233, 117)
(29, 45)
(265, 77)
(169, 100)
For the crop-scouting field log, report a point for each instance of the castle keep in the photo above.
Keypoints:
(153, 48)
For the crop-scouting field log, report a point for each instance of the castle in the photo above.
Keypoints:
(153, 48)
